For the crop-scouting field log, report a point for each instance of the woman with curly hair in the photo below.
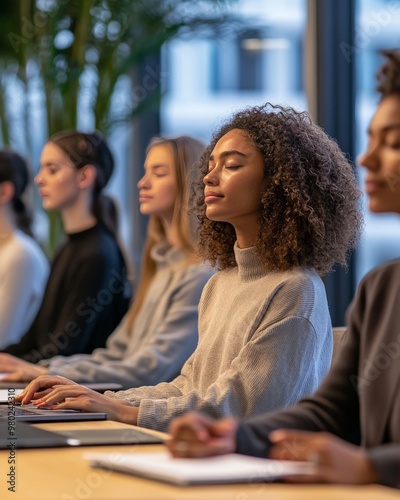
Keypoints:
(350, 426)
(278, 203)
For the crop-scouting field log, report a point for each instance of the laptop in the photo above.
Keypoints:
(8, 395)
(96, 386)
(20, 435)
(29, 413)
(101, 437)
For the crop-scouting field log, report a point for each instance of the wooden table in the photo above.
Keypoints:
(63, 474)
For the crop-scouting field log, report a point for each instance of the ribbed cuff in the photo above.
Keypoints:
(152, 416)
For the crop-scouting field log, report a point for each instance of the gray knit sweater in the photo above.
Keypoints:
(265, 341)
(162, 337)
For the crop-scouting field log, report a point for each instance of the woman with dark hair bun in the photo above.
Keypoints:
(23, 265)
(87, 293)
(83, 149)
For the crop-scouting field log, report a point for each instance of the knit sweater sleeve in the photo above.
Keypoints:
(89, 367)
(158, 357)
(255, 381)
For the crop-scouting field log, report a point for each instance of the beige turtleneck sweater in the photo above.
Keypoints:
(265, 341)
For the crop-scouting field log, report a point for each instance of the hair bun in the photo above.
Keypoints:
(84, 148)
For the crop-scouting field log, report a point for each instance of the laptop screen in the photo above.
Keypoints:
(8, 395)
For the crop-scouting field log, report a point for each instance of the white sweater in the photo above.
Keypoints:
(265, 341)
(23, 275)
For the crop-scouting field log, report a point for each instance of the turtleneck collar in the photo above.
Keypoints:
(78, 235)
(249, 264)
(165, 255)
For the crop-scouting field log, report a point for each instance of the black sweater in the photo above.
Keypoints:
(86, 297)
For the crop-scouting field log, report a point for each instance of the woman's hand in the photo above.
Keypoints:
(194, 435)
(19, 370)
(336, 461)
(41, 386)
(60, 393)
(24, 374)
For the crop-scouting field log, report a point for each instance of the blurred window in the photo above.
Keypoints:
(256, 62)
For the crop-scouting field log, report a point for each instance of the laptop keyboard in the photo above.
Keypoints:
(5, 412)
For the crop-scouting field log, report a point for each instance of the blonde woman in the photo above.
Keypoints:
(159, 332)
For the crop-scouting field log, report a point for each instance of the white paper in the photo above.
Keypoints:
(232, 468)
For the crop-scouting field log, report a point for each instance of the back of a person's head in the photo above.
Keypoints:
(91, 148)
(388, 77)
(14, 169)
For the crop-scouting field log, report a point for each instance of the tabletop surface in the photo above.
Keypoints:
(63, 473)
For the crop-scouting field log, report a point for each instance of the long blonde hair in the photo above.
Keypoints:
(186, 152)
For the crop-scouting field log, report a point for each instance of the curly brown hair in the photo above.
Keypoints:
(309, 215)
(388, 77)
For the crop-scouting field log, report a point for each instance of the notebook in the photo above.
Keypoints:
(20, 435)
(29, 413)
(230, 468)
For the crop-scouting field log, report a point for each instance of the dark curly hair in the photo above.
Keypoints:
(388, 77)
(309, 213)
